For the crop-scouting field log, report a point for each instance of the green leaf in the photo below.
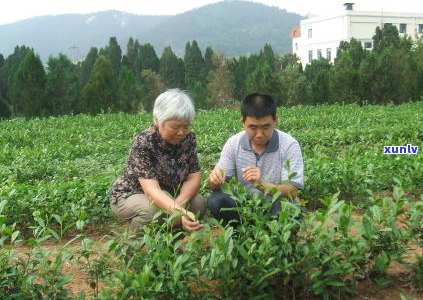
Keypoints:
(335, 283)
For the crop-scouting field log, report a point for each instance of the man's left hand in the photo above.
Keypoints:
(252, 174)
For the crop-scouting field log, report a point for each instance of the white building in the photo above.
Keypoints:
(320, 36)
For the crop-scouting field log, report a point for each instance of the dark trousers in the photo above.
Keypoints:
(219, 200)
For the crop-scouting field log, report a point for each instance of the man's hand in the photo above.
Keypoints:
(216, 178)
(252, 174)
(189, 223)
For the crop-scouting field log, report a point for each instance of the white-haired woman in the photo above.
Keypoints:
(163, 160)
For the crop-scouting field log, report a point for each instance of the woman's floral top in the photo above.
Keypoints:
(150, 157)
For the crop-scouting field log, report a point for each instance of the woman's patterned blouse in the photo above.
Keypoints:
(150, 157)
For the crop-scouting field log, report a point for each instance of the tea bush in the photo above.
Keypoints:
(54, 179)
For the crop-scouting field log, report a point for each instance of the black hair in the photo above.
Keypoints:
(258, 105)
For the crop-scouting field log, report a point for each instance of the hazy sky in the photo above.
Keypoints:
(16, 10)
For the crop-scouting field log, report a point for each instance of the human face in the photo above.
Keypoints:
(173, 131)
(260, 130)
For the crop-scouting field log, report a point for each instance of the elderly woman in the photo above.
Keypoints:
(163, 161)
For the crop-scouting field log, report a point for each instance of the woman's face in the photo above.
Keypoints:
(173, 131)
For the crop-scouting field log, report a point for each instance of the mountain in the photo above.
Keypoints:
(230, 27)
(74, 34)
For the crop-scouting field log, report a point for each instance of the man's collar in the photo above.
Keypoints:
(272, 146)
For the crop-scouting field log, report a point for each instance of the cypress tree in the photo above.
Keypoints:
(171, 69)
(131, 54)
(129, 91)
(28, 86)
(153, 86)
(62, 86)
(194, 64)
(98, 95)
(208, 61)
(147, 58)
(88, 64)
(10, 66)
(114, 53)
(221, 84)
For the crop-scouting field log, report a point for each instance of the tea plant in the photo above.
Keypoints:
(54, 179)
(34, 274)
(414, 224)
(155, 265)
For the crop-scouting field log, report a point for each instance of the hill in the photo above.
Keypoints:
(74, 34)
(230, 27)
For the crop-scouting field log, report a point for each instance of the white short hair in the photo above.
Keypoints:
(174, 104)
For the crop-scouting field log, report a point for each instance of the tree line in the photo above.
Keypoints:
(108, 80)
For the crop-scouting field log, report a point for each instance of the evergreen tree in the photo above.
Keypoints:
(288, 60)
(5, 112)
(171, 69)
(367, 78)
(153, 86)
(409, 84)
(238, 70)
(98, 95)
(10, 66)
(209, 60)
(88, 64)
(387, 81)
(262, 79)
(267, 56)
(62, 86)
(114, 53)
(315, 67)
(194, 64)
(130, 57)
(417, 56)
(293, 86)
(221, 84)
(355, 50)
(386, 37)
(147, 58)
(390, 76)
(317, 74)
(343, 78)
(343, 47)
(253, 61)
(129, 91)
(28, 86)
(199, 94)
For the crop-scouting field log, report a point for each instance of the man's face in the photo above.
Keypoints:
(259, 131)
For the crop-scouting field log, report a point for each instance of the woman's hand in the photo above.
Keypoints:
(189, 223)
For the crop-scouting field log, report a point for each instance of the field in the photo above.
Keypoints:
(362, 210)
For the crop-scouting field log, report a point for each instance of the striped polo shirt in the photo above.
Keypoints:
(282, 147)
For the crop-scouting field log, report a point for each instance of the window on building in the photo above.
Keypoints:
(387, 24)
(420, 28)
(328, 54)
(310, 56)
(367, 45)
(310, 33)
(319, 53)
(403, 28)
(296, 46)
